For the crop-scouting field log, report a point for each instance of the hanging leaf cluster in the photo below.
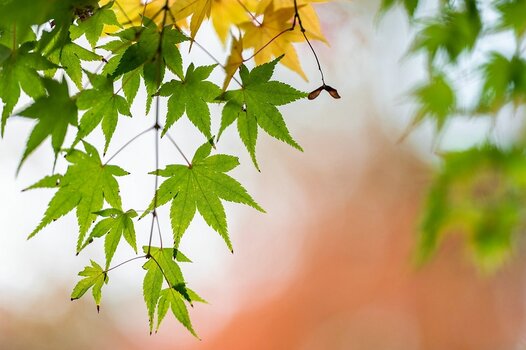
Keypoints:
(81, 63)
(478, 191)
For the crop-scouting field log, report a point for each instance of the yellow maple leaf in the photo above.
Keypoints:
(130, 13)
(234, 61)
(306, 11)
(198, 9)
(280, 4)
(228, 13)
(271, 38)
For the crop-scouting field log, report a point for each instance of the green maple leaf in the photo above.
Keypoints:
(153, 75)
(172, 299)
(49, 122)
(453, 32)
(168, 55)
(85, 186)
(92, 27)
(94, 277)
(436, 99)
(69, 57)
(201, 187)
(170, 52)
(409, 5)
(103, 105)
(162, 266)
(140, 52)
(131, 82)
(512, 16)
(164, 259)
(116, 224)
(125, 38)
(478, 192)
(152, 284)
(191, 94)
(25, 13)
(19, 70)
(143, 51)
(255, 105)
(504, 82)
(50, 181)
(13, 35)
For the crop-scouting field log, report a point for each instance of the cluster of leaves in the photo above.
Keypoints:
(480, 190)
(45, 51)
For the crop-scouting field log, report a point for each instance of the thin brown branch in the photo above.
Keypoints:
(166, 9)
(179, 150)
(128, 143)
(254, 18)
(125, 262)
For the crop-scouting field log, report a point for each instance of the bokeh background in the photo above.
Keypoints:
(330, 264)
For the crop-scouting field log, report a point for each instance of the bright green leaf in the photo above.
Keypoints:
(255, 105)
(85, 186)
(49, 122)
(94, 277)
(201, 187)
(192, 94)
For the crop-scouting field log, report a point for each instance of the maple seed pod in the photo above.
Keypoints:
(315, 93)
(332, 91)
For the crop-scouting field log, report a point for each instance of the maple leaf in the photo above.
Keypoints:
(92, 26)
(511, 16)
(262, 38)
(234, 60)
(85, 186)
(49, 122)
(25, 13)
(133, 12)
(306, 12)
(50, 181)
(170, 52)
(94, 277)
(13, 35)
(201, 187)
(191, 95)
(116, 224)
(162, 265)
(255, 105)
(172, 299)
(436, 101)
(273, 37)
(198, 9)
(130, 85)
(102, 105)
(142, 52)
(128, 12)
(228, 13)
(69, 57)
(152, 284)
(19, 70)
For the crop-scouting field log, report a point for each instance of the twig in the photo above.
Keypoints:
(125, 262)
(157, 126)
(128, 143)
(178, 149)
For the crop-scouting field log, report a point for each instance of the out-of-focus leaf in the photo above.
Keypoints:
(436, 101)
(479, 192)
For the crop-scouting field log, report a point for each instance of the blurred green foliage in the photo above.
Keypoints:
(478, 192)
